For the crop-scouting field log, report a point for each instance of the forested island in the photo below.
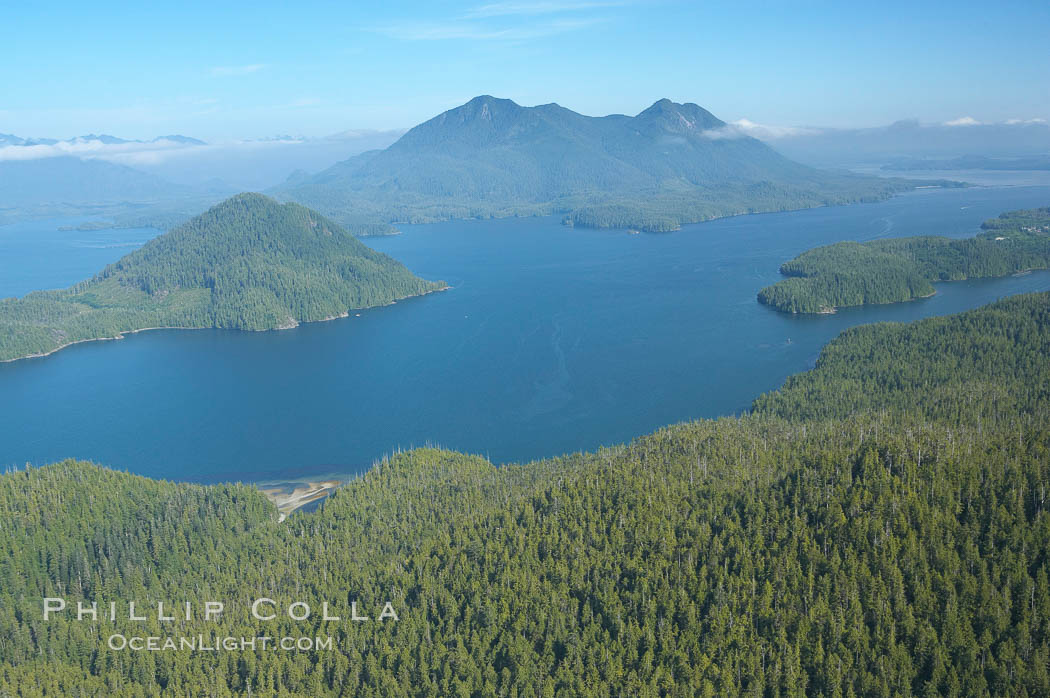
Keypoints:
(879, 526)
(669, 165)
(903, 269)
(248, 263)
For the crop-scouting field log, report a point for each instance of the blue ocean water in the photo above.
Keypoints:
(551, 340)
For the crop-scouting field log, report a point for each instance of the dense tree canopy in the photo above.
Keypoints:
(893, 541)
(903, 269)
(985, 366)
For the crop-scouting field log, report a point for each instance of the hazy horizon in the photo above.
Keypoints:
(258, 70)
(767, 131)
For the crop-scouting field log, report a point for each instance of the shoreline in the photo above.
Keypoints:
(125, 333)
(738, 214)
(551, 210)
(121, 335)
(825, 310)
(831, 311)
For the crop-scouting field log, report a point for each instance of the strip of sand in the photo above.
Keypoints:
(301, 493)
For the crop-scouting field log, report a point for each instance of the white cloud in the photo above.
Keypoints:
(963, 121)
(222, 71)
(744, 127)
(726, 132)
(81, 148)
(1024, 122)
(136, 153)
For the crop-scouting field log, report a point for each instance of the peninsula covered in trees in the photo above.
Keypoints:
(902, 269)
(248, 263)
(855, 534)
(669, 165)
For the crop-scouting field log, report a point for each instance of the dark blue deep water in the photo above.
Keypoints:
(552, 340)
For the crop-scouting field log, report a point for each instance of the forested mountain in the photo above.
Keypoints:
(880, 543)
(248, 263)
(670, 164)
(903, 269)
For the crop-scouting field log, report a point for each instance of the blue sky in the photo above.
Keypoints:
(226, 70)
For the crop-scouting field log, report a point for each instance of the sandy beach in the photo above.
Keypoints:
(301, 493)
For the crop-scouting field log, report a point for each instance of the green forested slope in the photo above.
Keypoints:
(247, 263)
(986, 366)
(889, 544)
(903, 269)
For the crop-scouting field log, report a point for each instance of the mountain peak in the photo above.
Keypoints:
(661, 105)
(250, 198)
(481, 120)
(488, 99)
(489, 107)
(680, 117)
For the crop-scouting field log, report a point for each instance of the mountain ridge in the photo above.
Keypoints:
(670, 164)
(104, 138)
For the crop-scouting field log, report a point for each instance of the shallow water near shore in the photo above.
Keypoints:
(551, 340)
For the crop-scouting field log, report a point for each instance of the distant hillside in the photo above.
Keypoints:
(911, 139)
(11, 139)
(70, 180)
(46, 177)
(248, 263)
(671, 164)
(177, 138)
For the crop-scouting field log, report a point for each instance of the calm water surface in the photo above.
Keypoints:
(552, 340)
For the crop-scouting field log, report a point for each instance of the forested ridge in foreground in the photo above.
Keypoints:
(903, 269)
(247, 263)
(886, 543)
